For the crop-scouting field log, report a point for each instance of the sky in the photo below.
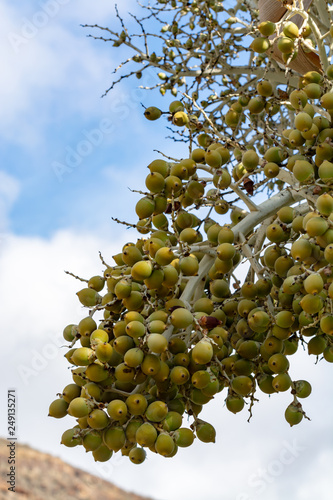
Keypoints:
(68, 159)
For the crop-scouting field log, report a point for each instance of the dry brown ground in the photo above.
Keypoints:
(43, 477)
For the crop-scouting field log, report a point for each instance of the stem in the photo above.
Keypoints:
(265, 209)
(205, 265)
(244, 227)
(321, 46)
(258, 269)
(246, 199)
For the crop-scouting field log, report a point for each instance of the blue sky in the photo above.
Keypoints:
(51, 81)
(58, 135)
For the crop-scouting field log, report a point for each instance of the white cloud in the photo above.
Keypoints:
(48, 60)
(45, 291)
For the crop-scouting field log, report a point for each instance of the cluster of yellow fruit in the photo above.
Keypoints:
(174, 332)
(288, 40)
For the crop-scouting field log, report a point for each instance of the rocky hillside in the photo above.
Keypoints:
(43, 477)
